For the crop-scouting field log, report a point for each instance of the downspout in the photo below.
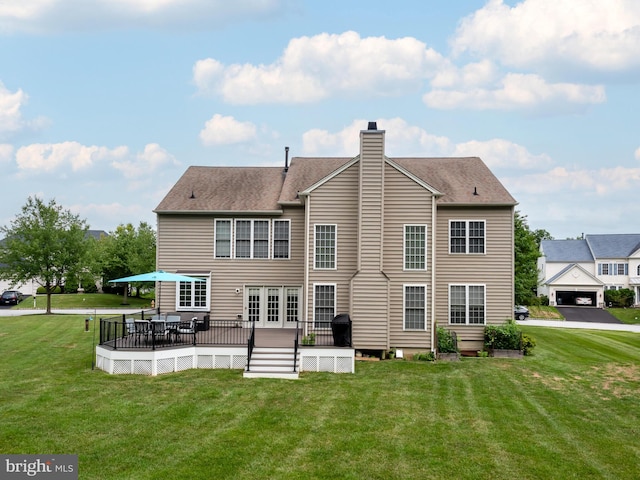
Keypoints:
(307, 214)
(433, 273)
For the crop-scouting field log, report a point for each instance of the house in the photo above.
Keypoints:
(579, 271)
(398, 244)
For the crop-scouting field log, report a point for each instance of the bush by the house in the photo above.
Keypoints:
(528, 343)
(447, 341)
(619, 298)
(503, 337)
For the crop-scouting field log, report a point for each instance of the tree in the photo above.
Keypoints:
(45, 244)
(527, 251)
(127, 251)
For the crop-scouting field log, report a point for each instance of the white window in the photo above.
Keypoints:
(325, 247)
(252, 239)
(613, 269)
(324, 305)
(415, 247)
(193, 295)
(222, 234)
(281, 235)
(467, 236)
(415, 307)
(273, 306)
(467, 304)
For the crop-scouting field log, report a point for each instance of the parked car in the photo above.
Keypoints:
(11, 297)
(520, 312)
(583, 301)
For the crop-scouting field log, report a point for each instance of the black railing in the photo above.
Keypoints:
(134, 331)
(251, 344)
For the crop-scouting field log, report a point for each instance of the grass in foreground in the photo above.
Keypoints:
(570, 411)
(86, 300)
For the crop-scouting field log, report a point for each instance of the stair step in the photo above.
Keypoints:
(284, 375)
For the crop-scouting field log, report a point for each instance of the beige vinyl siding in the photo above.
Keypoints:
(406, 202)
(335, 203)
(370, 286)
(494, 269)
(186, 244)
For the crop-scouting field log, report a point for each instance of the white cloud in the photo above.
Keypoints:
(601, 36)
(637, 153)
(6, 152)
(225, 130)
(313, 68)
(519, 91)
(403, 140)
(144, 164)
(48, 157)
(500, 153)
(38, 16)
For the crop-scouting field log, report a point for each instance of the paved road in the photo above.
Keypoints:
(7, 312)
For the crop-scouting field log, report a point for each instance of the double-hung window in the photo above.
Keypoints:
(467, 236)
(325, 247)
(193, 295)
(222, 234)
(415, 307)
(252, 239)
(415, 247)
(324, 305)
(467, 304)
(281, 235)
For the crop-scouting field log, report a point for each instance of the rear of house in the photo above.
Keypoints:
(398, 244)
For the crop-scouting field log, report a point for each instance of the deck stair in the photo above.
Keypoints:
(272, 362)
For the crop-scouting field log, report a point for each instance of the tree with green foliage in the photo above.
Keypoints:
(128, 251)
(527, 251)
(44, 244)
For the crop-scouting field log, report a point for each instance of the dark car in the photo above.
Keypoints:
(520, 312)
(11, 297)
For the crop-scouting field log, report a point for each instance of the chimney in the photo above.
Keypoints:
(372, 126)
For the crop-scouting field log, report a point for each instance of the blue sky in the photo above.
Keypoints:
(105, 103)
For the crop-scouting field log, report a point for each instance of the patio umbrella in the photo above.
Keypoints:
(157, 276)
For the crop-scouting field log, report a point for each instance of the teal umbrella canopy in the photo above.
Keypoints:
(157, 276)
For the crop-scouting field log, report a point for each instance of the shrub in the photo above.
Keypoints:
(503, 337)
(42, 291)
(528, 343)
(447, 340)
(424, 357)
(619, 298)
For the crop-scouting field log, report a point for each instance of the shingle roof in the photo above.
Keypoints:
(226, 189)
(613, 245)
(566, 251)
(222, 189)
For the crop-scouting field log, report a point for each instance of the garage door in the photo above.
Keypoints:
(580, 299)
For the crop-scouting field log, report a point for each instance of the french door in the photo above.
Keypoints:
(273, 306)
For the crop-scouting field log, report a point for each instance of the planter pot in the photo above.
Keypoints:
(449, 357)
(498, 353)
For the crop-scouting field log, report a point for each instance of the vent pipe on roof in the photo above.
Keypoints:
(475, 191)
(372, 126)
(192, 195)
(286, 159)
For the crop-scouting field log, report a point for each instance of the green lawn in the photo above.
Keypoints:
(570, 411)
(626, 315)
(86, 300)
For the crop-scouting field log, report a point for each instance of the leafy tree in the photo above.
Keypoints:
(128, 251)
(527, 251)
(45, 243)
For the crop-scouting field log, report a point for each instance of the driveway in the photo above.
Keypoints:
(587, 314)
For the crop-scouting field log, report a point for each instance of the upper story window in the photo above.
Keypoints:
(638, 270)
(466, 236)
(281, 243)
(415, 247)
(325, 247)
(467, 304)
(613, 269)
(242, 238)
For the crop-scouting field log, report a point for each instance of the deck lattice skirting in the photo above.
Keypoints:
(156, 362)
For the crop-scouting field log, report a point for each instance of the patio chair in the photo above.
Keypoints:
(187, 328)
(142, 329)
(159, 329)
(131, 326)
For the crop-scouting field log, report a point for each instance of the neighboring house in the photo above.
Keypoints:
(400, 244)
(579, 271)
